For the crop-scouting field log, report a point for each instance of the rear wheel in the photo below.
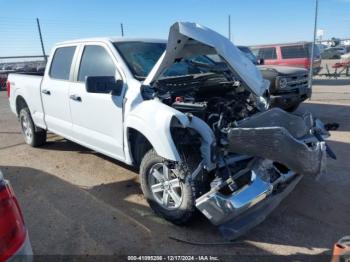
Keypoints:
(33, 135)
(170, 192)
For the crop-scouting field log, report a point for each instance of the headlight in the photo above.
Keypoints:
(262, 103)
(283, 82)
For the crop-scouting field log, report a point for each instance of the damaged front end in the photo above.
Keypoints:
(280, 136)
(275, 148)
(251, 156)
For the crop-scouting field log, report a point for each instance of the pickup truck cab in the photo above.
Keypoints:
(200, 132)
(289, 54)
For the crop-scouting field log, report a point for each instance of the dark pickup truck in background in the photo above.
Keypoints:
(289, 85)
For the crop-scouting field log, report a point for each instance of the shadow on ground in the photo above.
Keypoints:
(114, 218)
(65, 219)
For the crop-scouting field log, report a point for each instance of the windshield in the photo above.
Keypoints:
(140, 57)
(249, 54)
(190, 66)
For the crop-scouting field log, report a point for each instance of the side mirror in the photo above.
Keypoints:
(104, 85)
(261, 61)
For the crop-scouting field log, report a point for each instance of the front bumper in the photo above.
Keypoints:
(256, 214)
(219, 208)
(287, 100)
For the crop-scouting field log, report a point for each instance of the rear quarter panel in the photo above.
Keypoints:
(28, 87)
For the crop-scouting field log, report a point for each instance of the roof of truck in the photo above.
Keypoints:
(113, 39)
(282, 44)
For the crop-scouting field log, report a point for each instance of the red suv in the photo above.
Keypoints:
(292, 54)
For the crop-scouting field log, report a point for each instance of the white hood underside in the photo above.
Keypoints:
(190, 39)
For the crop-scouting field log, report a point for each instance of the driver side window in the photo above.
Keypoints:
(95, 61)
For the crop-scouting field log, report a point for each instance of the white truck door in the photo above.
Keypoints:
(97, 117)
(55, 91)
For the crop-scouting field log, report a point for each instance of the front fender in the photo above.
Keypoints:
(153, 119)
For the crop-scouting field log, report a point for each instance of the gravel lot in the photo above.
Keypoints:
(79, 202)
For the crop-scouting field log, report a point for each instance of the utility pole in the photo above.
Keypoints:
(41, 40)
(313, 45)
(229, 27)
(122, 29)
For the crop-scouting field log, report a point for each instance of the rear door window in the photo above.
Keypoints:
(267, 53)
(62, 63)
(96, 62)
(297, 51)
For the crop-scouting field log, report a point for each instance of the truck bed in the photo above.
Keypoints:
(27, 85)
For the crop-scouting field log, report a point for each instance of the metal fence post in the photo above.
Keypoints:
(41, 40)
(229, 27)
(122, 28)
(313, 46)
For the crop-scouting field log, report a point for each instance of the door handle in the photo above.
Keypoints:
(75, 98)
(46, 92)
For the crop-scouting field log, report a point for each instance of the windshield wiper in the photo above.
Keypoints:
(141, 78)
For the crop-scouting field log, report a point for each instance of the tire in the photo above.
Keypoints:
(33, 135)
(180, 212)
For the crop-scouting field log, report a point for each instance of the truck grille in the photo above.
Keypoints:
(297, 81)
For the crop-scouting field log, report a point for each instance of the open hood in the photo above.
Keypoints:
(190, 39)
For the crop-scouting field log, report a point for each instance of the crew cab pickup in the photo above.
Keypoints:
(289, 86)
(289, 54)
(200, 132)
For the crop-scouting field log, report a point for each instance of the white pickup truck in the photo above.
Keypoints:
(201, 132)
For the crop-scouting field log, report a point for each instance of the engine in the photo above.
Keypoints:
(212, 98)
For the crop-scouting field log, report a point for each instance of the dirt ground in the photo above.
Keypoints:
(78, 202)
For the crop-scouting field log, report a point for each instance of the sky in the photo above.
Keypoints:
(252, 21)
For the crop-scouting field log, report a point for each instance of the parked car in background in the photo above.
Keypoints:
(14, 240)
(291, 54)
(288, 85)
(3, 80)
(322, 47)
(333, 53)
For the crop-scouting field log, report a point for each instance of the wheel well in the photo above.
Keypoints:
(139, 146)
(20, 103)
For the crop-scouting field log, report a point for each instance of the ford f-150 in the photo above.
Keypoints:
(201, 133)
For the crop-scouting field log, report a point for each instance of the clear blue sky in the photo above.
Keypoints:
(253, 21)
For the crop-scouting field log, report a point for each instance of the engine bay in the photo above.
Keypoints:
(210, 96)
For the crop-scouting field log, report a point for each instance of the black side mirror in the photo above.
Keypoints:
(261, 61)
(104, 85)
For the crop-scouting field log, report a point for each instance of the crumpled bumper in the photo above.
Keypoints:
(279, 136)
(239, 225)
(237, 213)
(219, 208)
(275, 137)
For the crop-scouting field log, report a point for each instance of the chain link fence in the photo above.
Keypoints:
(22, 49)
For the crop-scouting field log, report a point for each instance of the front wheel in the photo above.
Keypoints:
(33, 135)
(169, 192)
